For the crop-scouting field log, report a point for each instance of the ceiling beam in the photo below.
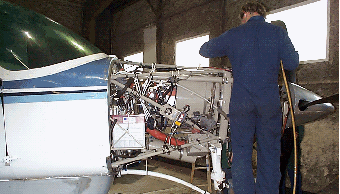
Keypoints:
(91, 11)
(93, 8)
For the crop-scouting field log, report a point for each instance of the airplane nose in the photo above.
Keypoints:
(308, 106)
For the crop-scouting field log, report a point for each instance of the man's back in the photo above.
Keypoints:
(254, 50)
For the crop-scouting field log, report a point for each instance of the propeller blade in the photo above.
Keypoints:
(303, 105)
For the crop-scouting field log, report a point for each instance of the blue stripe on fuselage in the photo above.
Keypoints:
(91, 74)
(49, 97)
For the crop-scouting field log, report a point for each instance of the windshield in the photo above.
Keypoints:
(30, 40)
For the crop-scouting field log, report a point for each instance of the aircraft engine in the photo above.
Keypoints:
(175, 112)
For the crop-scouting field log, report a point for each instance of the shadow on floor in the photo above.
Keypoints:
(289, 191)
(333, 188)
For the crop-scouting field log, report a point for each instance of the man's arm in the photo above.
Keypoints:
(216, 47)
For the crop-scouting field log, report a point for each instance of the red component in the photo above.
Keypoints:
(161, 136)
(195, 130)
(173, 93)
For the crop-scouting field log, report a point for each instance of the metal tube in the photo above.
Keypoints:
(174, 155)
(160, 175)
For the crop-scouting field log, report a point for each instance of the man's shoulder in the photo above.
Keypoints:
(249, 26)
(237, 29)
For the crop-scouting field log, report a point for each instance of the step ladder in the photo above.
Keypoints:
(207, 167)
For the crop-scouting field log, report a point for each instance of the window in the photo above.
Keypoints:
(187, 52)
(138, 57)
(307, 25)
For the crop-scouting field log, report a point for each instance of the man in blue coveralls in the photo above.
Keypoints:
(255, 50)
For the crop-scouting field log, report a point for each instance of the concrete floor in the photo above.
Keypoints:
(181, 170)
(153, 185)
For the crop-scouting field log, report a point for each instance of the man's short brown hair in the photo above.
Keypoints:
(254, 7)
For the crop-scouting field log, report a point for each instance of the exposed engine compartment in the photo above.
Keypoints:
(184, 111)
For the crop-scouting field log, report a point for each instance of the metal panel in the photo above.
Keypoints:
(129, 132)
(56, 138)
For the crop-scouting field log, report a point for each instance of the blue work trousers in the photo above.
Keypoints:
(260, 117)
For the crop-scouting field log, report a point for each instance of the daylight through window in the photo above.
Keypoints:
(187, 52)
(307, 26)
(138, 57)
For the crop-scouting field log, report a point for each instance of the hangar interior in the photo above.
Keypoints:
(125, 27)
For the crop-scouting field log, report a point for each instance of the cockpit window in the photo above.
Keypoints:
(30, 40)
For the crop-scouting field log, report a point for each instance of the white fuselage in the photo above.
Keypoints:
(52, 126)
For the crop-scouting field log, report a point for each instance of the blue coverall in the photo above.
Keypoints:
(255, 50)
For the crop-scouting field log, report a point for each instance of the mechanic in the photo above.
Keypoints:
(255, 50)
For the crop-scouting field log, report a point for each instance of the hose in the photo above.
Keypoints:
(161, 136)
(293, 123)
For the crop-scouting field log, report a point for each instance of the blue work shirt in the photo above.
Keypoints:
(255, 50)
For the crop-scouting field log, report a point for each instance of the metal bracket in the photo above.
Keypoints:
(7, 160)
